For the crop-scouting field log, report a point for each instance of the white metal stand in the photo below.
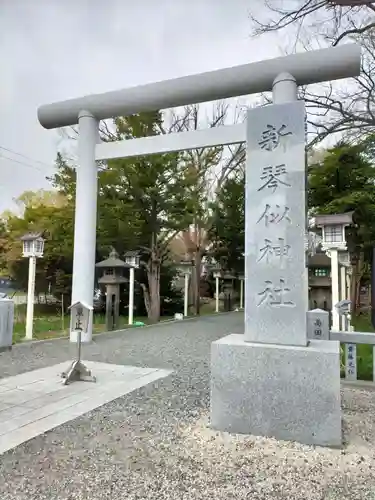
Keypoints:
(77, 370)
(241, 294)
(30, 298)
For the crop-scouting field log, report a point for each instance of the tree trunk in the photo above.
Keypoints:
(153, 276)
(356, 283)
(146, 298)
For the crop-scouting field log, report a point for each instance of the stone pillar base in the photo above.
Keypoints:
(287, 392)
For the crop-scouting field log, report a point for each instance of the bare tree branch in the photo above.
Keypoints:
(333, 21)
(354, 31)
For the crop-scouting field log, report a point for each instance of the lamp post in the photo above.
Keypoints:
(217, 273)
(33, 246)
(132, 258)
(334, 240)
(344, 262)
(185, 266)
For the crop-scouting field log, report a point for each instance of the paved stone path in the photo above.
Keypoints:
(35, 402)
(154, 443)
(91, 456)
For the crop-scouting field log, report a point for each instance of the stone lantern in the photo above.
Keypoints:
(228, 289)
(334, 244)
(112, 278)
(33, 247)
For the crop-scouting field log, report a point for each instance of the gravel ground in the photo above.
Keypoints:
(155, 443)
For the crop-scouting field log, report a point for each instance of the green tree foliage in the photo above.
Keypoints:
(344, 181)
(51, 213)
(64, 178)
(4, 244)
(228, 230)
(207, 170)
(143, 202)
(157, 205)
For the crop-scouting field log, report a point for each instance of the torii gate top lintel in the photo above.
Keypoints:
(307, 68)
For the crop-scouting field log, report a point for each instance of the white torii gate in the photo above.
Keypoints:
(305, 68)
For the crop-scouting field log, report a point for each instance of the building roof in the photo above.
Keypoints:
(112, 261)
(132, 253)
(332, 219)
(31, 236)
(320, 259)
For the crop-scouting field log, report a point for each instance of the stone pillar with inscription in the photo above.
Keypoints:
(272, 381)
(276, 285)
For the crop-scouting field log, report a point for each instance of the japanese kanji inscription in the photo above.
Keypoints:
(274, 215)
(79, 316)
(270, 137)
(275, 295)
(273, 177)
(274, 249)
(276, 292)
(351, 361)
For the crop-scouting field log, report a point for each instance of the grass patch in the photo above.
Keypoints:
(51, 325)
(362, 323)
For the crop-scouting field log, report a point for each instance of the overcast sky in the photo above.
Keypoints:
(52, 50)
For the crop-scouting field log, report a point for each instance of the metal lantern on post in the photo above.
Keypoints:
(33, 247)
(185, 266)
(132, 259)
(334, 242)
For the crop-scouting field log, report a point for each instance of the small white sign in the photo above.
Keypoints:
(80, 316)
(318, 324)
